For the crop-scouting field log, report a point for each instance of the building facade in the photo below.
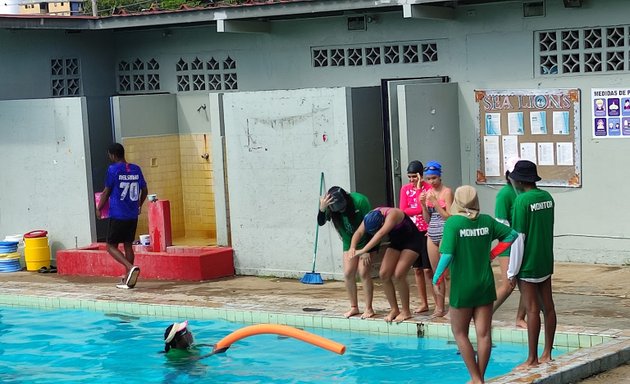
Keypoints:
(275, 94)
(53, 8)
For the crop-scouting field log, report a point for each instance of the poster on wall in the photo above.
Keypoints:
(611, 112)
(540, 125)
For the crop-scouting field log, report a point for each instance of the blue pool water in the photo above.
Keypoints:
(72, 346)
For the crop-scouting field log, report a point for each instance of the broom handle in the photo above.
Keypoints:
(321, 186)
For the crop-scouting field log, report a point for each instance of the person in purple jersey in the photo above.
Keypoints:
(126, 190)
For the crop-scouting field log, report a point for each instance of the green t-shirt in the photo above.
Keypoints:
(533, 216)
(503, 208)
(504, 202)
(362, 207)
(470, 241)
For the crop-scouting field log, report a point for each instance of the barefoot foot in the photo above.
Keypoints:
(392, 315)
(421, 309)
(352, 312)
(439, 313)
(367, 314)
(527, 365)
(545, 359)
(402, 316)
(520, 323)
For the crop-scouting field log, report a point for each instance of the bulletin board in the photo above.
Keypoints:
(540, 125)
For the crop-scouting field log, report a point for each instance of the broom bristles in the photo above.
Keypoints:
(312, 278)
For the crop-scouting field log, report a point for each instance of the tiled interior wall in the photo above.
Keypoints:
(197, 178)
(175, 170)
(159, 158)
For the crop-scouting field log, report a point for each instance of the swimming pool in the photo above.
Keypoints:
(72, 346)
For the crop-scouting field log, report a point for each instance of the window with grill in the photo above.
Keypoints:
(206, 74)
(138, 76)
(582, 51)
(65, 77)
(375, 54)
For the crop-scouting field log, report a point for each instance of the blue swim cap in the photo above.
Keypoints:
(433, 168)
(373, 221)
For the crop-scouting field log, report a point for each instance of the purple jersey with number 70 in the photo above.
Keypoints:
(125, 181)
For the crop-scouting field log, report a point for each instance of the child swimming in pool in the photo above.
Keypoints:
(179, 341)
(177, 337)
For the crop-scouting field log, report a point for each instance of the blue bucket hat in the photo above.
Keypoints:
(433, 168)
(373, 221)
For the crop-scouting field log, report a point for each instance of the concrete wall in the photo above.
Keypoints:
(275, 154)
(144, 115)
(25, 61)
(486, 46)
(46, 175)
(26, 54)
(193, 114)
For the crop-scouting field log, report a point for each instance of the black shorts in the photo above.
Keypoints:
(121, 231)
(422, 262)
(406, 236)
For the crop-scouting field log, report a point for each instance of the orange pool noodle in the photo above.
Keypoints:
(283, 330)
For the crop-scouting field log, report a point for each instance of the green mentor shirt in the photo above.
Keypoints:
(533, 215)
(362, 207)
(504, 202)
(503, 208)
(470, 241)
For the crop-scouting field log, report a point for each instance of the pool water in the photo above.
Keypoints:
(74, 346)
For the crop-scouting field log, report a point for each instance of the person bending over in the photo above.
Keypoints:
(346, 211)
(403, 250)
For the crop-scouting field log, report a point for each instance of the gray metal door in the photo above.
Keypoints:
(428, 122)
(391, 118)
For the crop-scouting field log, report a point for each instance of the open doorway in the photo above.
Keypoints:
(420, 122)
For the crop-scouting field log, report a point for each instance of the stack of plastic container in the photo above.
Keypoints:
(9, 256)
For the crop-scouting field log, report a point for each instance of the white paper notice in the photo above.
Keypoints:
(510, 149)
(545, 154)
(565, 153)
(515, 123)
(491, 155)
(538, 122)
(528, 152)
(493, 123)
(561, 122)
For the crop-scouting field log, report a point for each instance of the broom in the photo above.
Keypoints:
(313, 277)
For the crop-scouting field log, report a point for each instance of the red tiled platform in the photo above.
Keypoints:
(177, 263)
